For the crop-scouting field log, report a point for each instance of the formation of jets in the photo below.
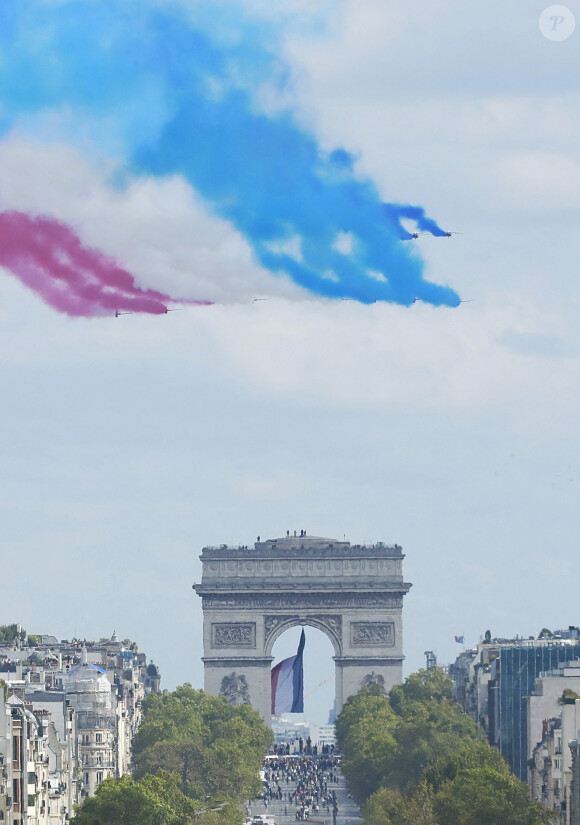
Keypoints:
(118, 312)
(462, 300)
(414, 235)
(165, 311)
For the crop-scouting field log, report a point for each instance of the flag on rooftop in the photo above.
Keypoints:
(460, 639)
(288, 683)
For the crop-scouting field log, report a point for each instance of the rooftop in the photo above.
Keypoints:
(301, 541)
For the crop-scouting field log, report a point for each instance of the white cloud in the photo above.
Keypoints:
(436, 50)
(378, 276)
(159, 229)
(344, 243)
(346, 355)
(291, 247)
(540, 181)
(496, 353)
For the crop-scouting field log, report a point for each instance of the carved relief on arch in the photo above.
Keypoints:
(329, 624)
(274, 625)
(332, 625)
(374, 679)
(233, 634)
(235, 688)
(372, 634)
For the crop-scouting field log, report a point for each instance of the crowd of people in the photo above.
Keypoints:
(302, 746)
(302, 782)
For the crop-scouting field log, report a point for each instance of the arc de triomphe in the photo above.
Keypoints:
(251, 595)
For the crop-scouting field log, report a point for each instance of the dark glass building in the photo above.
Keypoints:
(514, 674)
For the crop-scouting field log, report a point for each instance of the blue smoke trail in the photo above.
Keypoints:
(173, 91)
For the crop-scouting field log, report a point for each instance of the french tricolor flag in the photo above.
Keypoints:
(288, 683)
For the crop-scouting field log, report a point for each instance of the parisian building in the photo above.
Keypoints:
(521, 691)
(68, 714)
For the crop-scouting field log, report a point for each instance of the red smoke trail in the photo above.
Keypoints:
(48, 257)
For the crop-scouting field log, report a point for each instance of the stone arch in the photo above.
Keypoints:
(251, 595)
(330, 625)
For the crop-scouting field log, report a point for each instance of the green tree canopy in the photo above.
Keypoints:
(365, 732)
(391, 807)
(152, 800)
(473, 754)
(476, 796)
(390, 741)
(568, 697)
(216, 748)
(429, 731)
(416, 758)
(127, 802)
(420, 687)
(8, 632)
(485, 796)
(196, 757)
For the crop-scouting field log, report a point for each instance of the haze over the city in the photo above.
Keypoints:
(129, 443)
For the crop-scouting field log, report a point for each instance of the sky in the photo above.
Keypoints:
(128, 443)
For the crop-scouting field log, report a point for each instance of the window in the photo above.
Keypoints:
(86, 779)
(16, 749)
(99, 759)
(99, 776)
(99, 737)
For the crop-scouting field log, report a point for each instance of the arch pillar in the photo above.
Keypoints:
(251, 595)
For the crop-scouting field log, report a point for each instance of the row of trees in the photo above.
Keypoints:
(196, 759)
(415, 757)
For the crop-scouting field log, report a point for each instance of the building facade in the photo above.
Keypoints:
(522, 692)
(68, 714)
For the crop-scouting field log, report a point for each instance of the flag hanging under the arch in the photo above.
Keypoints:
(288, 683)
